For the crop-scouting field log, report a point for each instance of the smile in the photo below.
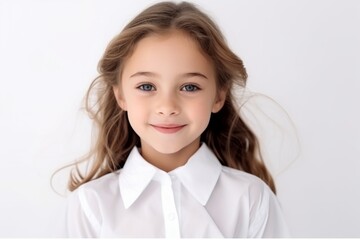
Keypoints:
(168, 129)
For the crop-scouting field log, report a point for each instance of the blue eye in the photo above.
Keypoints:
(190, 88)
(146, 87)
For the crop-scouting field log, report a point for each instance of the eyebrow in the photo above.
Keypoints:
(146, 74)
(185, 75)
(195, 74)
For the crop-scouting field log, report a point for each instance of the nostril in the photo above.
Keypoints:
(167, 107)
(169, 113)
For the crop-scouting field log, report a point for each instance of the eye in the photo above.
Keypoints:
(146, 87)
(190, 88)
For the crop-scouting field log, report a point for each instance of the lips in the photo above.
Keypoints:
(168, 128)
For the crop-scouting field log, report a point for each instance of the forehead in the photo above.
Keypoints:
(170, 51)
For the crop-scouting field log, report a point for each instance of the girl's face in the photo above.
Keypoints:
(168, 89)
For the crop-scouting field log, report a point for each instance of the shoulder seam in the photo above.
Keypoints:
(87, 210)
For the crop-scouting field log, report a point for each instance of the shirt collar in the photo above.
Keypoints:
(199, 175)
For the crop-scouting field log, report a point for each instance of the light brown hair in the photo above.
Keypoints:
(227, 135)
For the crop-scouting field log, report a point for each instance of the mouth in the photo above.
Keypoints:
(168, 128)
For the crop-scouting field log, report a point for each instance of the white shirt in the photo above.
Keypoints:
(200, 199)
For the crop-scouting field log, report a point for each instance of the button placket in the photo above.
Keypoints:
(171, 219)
(171, 216)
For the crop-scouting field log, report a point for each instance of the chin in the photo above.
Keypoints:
(168, 149)
(171, 148)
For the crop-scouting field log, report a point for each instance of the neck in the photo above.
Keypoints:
(169, 161)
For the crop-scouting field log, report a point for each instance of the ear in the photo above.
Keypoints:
(220, 100)
(119, 98)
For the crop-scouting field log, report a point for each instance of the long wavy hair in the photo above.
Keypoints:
(227, 135)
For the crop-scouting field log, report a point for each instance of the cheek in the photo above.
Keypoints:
(136, 120)
(135, 111)
(201, 110)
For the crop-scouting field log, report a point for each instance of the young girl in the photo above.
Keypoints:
(173, 157)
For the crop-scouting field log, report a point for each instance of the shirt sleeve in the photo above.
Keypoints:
(79, 218)
(267, 220)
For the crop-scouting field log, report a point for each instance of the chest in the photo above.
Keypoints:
(172, 211)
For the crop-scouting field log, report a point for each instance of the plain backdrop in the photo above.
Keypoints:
(304, 54)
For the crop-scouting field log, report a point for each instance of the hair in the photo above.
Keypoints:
(227, 135)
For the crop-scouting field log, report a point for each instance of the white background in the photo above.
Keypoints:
(304, 54)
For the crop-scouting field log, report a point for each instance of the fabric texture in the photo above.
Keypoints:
(200, 199)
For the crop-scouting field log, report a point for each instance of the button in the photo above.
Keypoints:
(171, 216)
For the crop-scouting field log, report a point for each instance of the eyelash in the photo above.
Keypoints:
(142, 87)
(193, 86)
(151, 87)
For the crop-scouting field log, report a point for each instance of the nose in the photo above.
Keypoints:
(168, 105)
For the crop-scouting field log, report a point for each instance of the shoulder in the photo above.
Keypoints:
(108, 183)
(235, 177)
(96, 191)
(242, 184)
(264, 212)
(86, 204)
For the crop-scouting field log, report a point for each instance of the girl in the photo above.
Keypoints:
(173, 157)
